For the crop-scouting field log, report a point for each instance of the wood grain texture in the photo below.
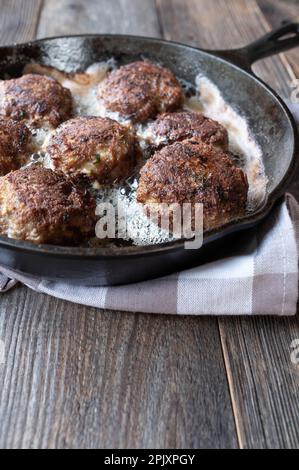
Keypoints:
(76, 377)
(94, 16)
(264, 383)
(18, 20)
(278, 12)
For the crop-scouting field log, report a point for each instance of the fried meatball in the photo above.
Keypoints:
(194, 172)
(140, 90)
(36, 99)
(99, 147)
(15, 140)
(173, 127)
(42, 206)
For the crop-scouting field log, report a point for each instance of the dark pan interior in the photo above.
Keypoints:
(268, 119)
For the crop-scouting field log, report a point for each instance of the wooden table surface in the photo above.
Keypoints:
(79, 377)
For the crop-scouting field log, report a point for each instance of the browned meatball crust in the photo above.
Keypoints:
(194, 172)
(43, 206)
(36, 99)
(99, 147)
(140, 90)
(173, 127)
(15, 139)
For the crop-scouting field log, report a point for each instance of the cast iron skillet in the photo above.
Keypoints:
(268, 118)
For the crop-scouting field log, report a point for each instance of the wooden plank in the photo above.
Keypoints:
(18, 20)
(240, 22)
(94, 16)
(278, 12)
(263, 381)
(77, 377)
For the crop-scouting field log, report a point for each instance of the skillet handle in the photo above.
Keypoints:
(276, 41)
(279, 40)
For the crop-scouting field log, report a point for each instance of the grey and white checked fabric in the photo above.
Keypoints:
(258, 277)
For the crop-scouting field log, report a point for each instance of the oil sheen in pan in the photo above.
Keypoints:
(207, 99)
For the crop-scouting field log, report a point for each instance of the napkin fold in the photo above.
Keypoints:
(259, 277)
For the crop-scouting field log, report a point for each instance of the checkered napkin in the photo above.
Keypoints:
(258, 277)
